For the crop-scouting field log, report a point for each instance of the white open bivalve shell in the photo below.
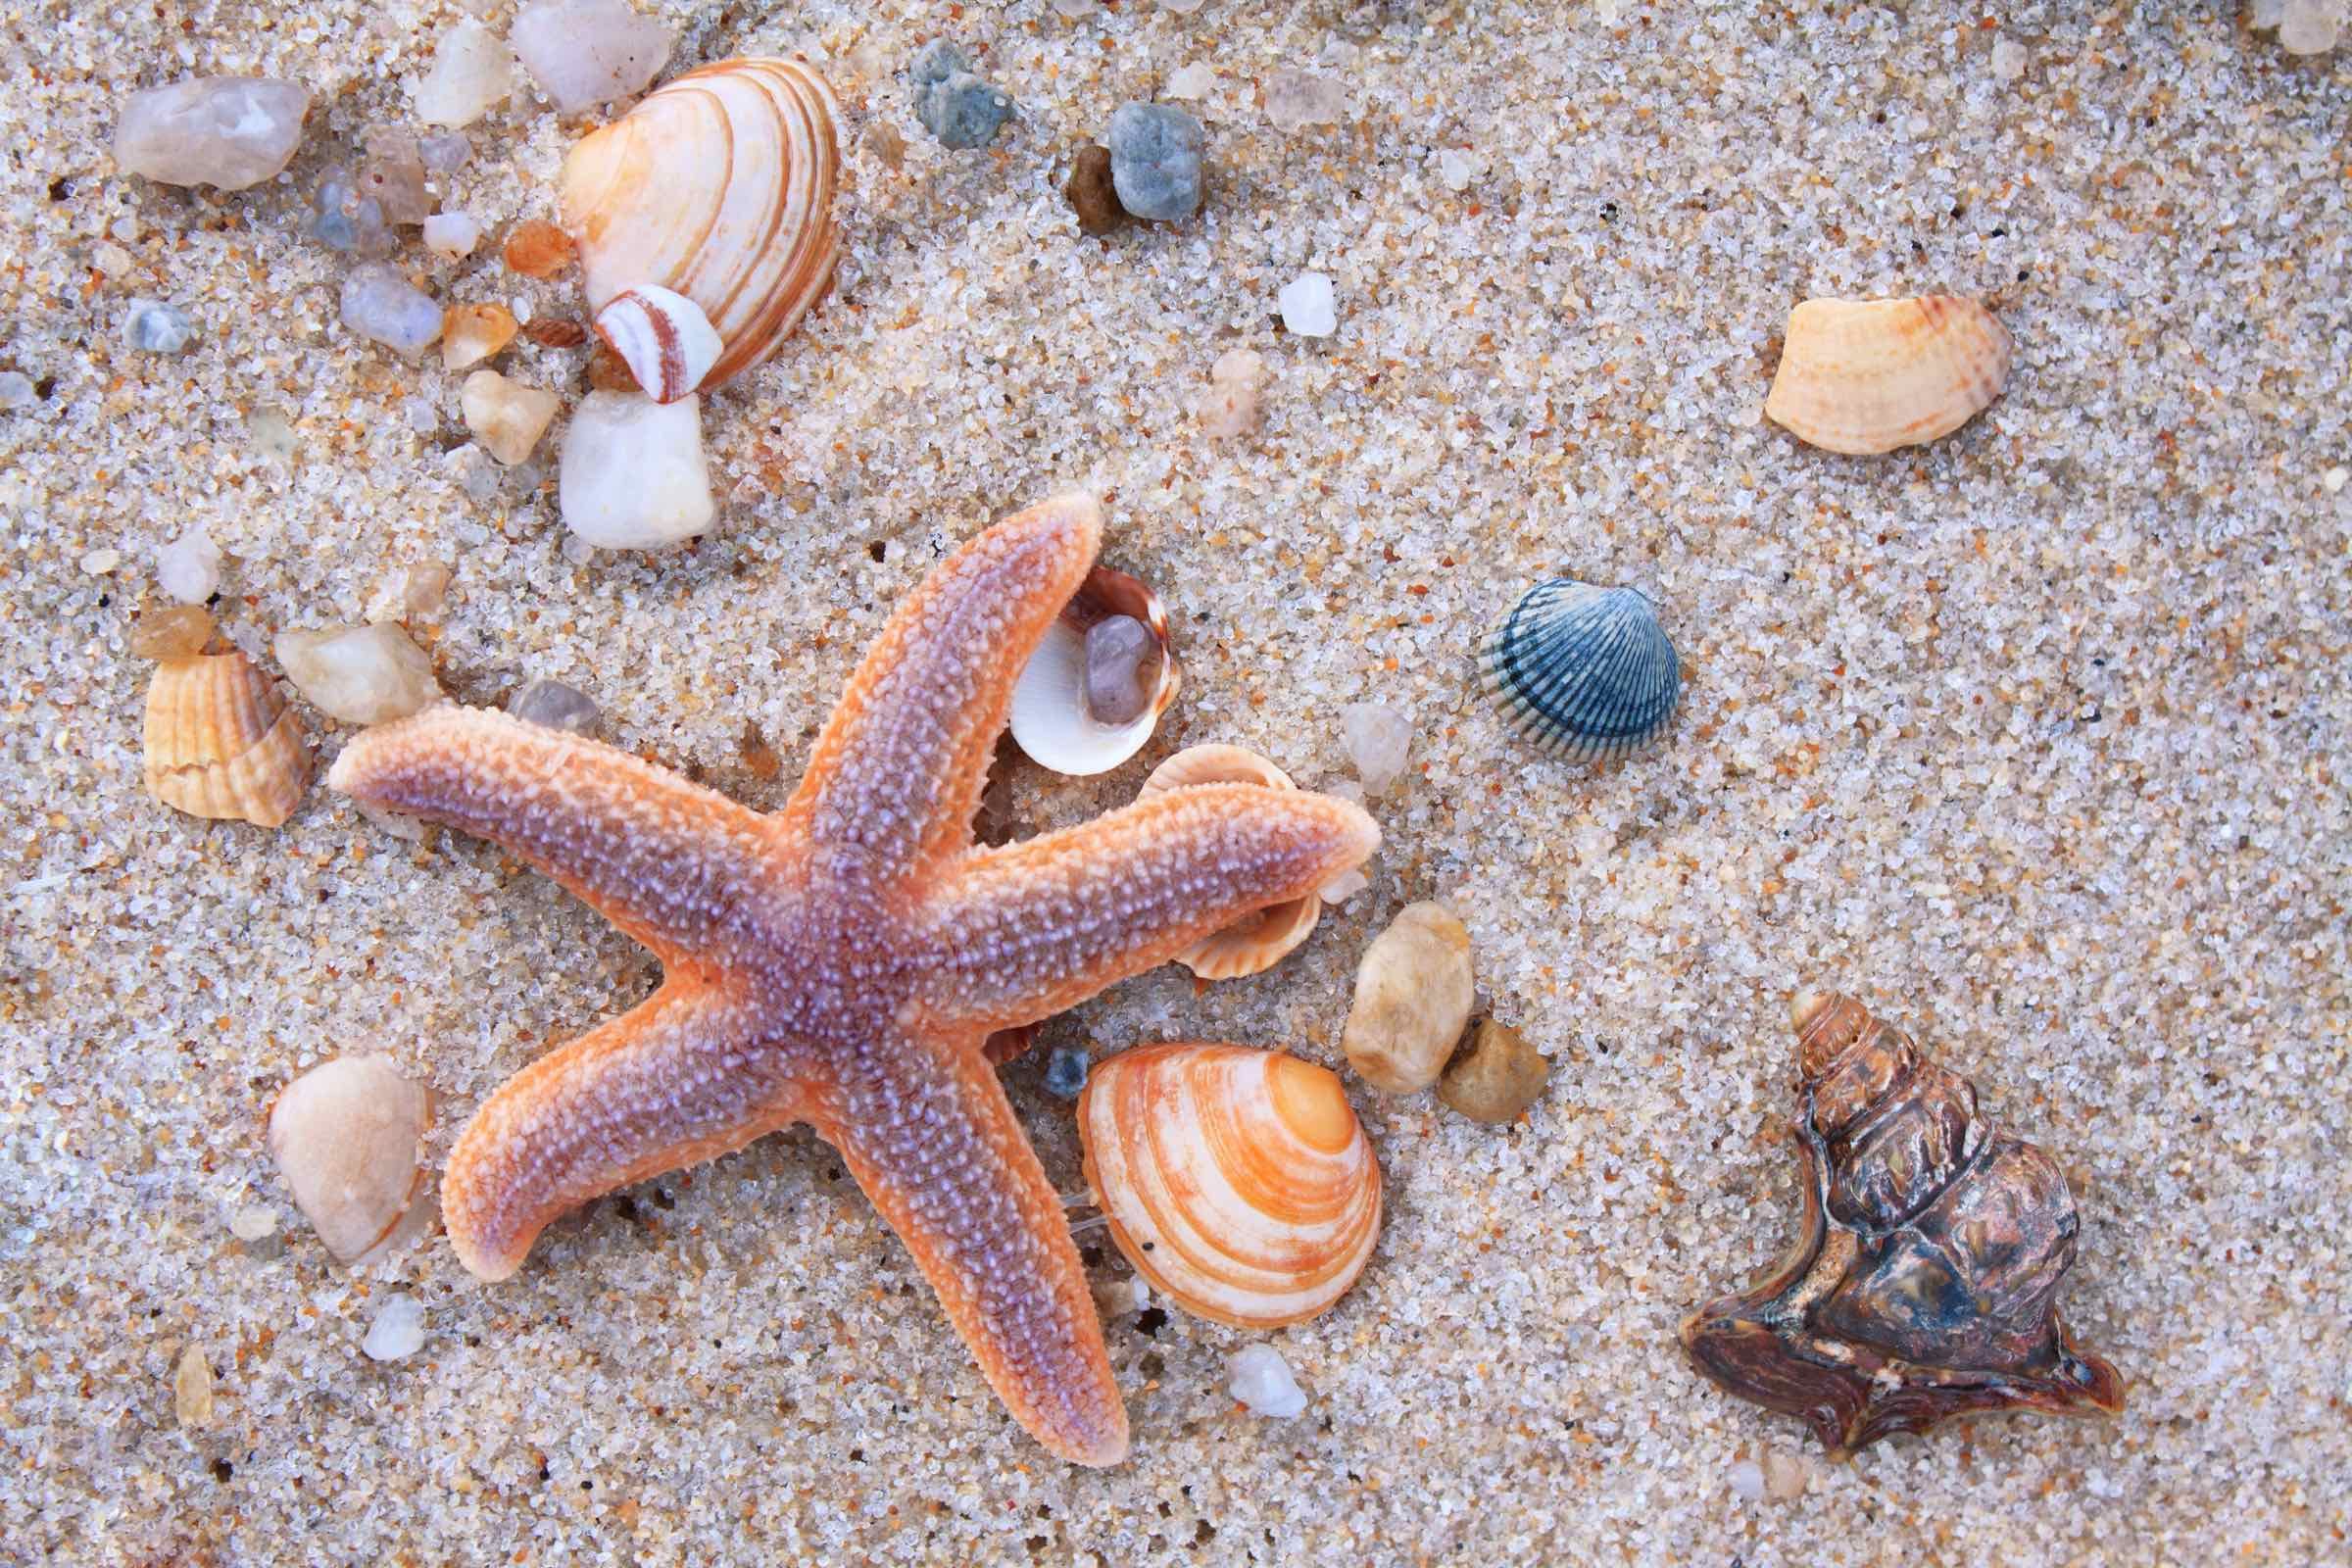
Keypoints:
(1863, 376)
(1237, 1181)
(1256, 942)
(717, 186)
(1050, 717)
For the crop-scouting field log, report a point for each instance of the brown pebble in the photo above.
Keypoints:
(556, 332)
(537, 248)
(1091, 192)
(757, 755)
(608, 371)
(883, 141)
(1496, 1077)
(171, 631)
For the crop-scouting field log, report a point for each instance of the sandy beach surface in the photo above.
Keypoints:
(2034, 739)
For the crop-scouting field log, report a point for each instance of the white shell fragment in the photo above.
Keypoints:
(1862, 377)
(1583, 671)
(633, 475)
(398, 1331)
(1052, 719)
(345, 1138)
(664, 339)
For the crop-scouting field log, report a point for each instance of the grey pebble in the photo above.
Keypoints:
(1155, 160)
(157, 328)
(954, 105)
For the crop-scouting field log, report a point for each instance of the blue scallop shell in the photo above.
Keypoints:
(1583, 671)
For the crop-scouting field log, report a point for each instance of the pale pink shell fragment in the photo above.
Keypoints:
(664, 337)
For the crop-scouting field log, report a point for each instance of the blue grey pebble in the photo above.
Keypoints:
(157, 328)
(1065, 1072)
(935, 63)
(964, 111)
(1155, 160)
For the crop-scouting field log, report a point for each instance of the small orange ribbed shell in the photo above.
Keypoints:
(1237, 1181)
(1257, 941)
(1864, 376)
(717, 186)
(222, 743)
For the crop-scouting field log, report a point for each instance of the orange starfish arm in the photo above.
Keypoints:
(931, 1139)
(1020, 933)
(671, 1083)
(897, 774)
(670, 862)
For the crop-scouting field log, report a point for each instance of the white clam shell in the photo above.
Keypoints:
(346, 1137)
(1237, 1180)
(1050, 717)
(664, 337)
(1863, 376)
(718, 186)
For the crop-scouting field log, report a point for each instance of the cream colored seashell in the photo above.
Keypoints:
(346, 1136)
(1870, 375)
(1051, 721)
(719, 187)
(1256, 942)
(222, 743)
(664, 339)
(1237, 1181)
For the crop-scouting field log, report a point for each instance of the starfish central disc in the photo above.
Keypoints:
(842, 961)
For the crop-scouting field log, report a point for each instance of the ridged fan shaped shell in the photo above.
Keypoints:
(1237, 1181)
(1584, 671)
(717, 186)
(220, 743)
(1863, 376)
(1256, 942)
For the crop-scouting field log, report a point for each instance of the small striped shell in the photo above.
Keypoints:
(1237, 1181)
(1256, 942)
(1583, 671)
(1863, 376)
(664, 339)
(717, 186)
(221, 742)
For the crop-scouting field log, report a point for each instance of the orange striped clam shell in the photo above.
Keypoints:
(1237, 1181)
(1256, 942)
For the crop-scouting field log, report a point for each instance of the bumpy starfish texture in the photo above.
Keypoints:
(843, 961)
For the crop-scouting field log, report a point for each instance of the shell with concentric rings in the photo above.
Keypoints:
(1584, 671)
(1237, 1180)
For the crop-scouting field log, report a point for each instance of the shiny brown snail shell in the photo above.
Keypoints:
(1924, 1282)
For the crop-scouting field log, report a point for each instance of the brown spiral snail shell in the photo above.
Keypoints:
(1924, 1282)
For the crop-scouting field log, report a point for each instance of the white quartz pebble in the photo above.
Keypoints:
(473, 73)
(1261, 1380)
(583, 53)
(1308, 306)
(633, 475)
(1378, 737)
(225, 132)
(190, 567)
(452, 236)
(359, 674)
(398, 1330)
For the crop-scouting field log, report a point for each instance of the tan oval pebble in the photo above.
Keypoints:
(171, 631)
(1413, 992)
(1495, 1076)
(345, 1138)
(192, 1388)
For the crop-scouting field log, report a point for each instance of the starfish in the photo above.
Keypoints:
(843, 961)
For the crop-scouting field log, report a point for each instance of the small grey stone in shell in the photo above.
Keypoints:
(1120, 675)
(1155, 160)
(954, 105)
(157, 328)
(1584, 671)
(555, 704)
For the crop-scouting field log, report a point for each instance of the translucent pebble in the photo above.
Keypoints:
(1231, 407)
(98, 562)
(16, 389)
(1194, 81)
(2334, 479)
(1378, 737)
(1296, 99)
(471, 333)
(1347, 885)
(1077, 10)
(192, 1388)
(383, 307)
(1065, 1072)
(633, 475)
(583, 53)
(1786, 1475)
(555, 704)
(273, 434)
(171, 631)
(157, 328)
(112, 260)
(1413, 994)
(1308, 306)
(506, 416)
(2008, 59)
(252, 1222)
(1155, 160)
(1747, 1480)
(1121, 669)
(452, 236)
(446, 153)
(1456, 168)
(1182, 8)
(346, 218)
(2310, 27)
(189, 568)
(359, 674)
(394, 176)
(398, 1331)
(473, 73)
(1261, 1379)
(225, 132)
